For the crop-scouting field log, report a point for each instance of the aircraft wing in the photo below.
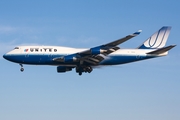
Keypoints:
(119, 41)
(95, 55)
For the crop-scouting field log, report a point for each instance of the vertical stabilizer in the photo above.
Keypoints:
(157, 40)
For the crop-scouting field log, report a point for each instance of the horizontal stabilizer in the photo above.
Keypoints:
(162, 50)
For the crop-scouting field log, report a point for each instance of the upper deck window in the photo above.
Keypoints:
(16, 48)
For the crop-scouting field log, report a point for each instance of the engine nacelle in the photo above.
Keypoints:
(70, 58)
(97, 50)
(61, 69)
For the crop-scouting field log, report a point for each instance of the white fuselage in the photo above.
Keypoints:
(44, 55)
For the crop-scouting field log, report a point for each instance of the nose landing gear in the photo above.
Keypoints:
(22, 69)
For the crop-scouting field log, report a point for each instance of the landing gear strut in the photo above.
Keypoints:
(22, 69)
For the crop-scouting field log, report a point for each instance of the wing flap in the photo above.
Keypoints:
(94, 59)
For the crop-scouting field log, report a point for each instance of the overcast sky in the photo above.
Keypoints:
(146, 90)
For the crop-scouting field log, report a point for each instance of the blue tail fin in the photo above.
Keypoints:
(157, 40)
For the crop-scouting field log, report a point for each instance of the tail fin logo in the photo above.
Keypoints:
(157, 40)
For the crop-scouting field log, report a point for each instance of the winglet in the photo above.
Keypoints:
(137, 33)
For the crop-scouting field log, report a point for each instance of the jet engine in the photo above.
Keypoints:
(61, 69)
(97, 50)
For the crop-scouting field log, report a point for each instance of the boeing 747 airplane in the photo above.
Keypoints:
(84, 60)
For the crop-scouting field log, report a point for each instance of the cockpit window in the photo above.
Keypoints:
(16, 48)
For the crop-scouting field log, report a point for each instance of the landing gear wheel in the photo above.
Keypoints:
(89, 69)
(80, 73)
(22, 69)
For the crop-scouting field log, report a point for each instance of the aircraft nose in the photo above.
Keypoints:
(5, 56)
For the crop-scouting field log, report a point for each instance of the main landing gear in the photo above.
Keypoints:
(22, 69)
(82, 69)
